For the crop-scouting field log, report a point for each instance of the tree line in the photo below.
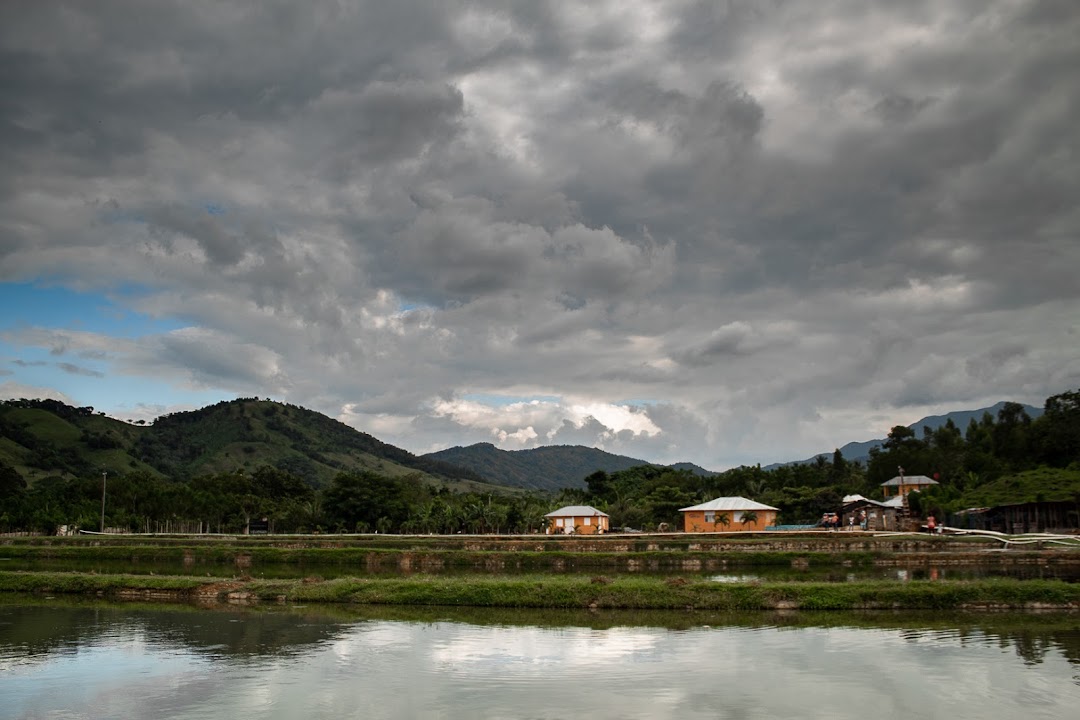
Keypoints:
(645, 497)
(963, 462)
(229, 502)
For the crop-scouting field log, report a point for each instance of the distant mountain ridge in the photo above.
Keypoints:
(961, 418)
(46, 437)
(551, 467)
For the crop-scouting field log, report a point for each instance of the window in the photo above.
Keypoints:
(588, 522)
(558, 522)
(710, 516)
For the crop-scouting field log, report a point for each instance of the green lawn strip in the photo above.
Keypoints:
(656, 593)
(73, 582)
(547, 591)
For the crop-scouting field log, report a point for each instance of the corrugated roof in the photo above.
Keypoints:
(576, 511)
(909, 480)
(730, 503)
(896, 501)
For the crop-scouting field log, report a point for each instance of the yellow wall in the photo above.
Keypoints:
(694, 521)
(901, 489)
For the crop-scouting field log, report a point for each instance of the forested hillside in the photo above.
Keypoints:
(216, 468)
(1010, 458)
(552, 467)
(42, 438)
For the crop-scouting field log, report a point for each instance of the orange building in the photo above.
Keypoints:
(581, 519)
(728, 514)
(902, 485)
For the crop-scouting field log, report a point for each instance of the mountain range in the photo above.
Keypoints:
(46, 437)
(861, 450)
(551, 467)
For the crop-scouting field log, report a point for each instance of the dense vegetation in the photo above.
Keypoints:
(551, 467)
(213, 487)
(46, 437)
(1007, 459)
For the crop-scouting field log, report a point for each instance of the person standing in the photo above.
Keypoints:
(931, 525)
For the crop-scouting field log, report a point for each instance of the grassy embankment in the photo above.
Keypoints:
(540, 588)
(549, 591)
(539, 554)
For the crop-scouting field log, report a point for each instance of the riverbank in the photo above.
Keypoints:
(549, 591)
(522, 554)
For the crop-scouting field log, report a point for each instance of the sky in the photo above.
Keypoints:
(716, 232)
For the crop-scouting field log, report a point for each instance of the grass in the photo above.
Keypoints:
(1051, 484)
(551, 591)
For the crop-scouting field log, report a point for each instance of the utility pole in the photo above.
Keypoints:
(104, 475)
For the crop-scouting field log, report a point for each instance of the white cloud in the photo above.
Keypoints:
(16, 391)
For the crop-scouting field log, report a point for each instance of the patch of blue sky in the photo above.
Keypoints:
(29, 365)
(122, 395)
(505, 400)
(638, 402)
(214, 209)
(52, 306)
(93, 383)
(405, 306)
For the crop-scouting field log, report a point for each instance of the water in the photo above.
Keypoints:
(92, 660)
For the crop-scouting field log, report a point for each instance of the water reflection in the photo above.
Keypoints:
(99, 660)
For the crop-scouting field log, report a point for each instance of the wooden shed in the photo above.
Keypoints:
(879, 516)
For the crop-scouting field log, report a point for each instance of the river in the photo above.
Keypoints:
(88, 659)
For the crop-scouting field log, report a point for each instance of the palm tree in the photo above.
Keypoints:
(756, 487)
(723, 519)
(749, 517)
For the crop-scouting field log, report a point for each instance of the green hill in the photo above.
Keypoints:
(552, 467)
(45, 437)
(1040, 484)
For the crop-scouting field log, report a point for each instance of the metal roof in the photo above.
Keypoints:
(576, 511)
(730, 503)
(861, 499)
(909, 480)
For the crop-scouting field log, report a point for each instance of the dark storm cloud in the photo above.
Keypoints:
(819, 211)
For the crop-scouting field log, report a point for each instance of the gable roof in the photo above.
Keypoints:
(909, 480)
(865, 501)
(577, 511)
(730, 503)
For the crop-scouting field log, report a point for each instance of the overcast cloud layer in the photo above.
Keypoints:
(721, 232)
